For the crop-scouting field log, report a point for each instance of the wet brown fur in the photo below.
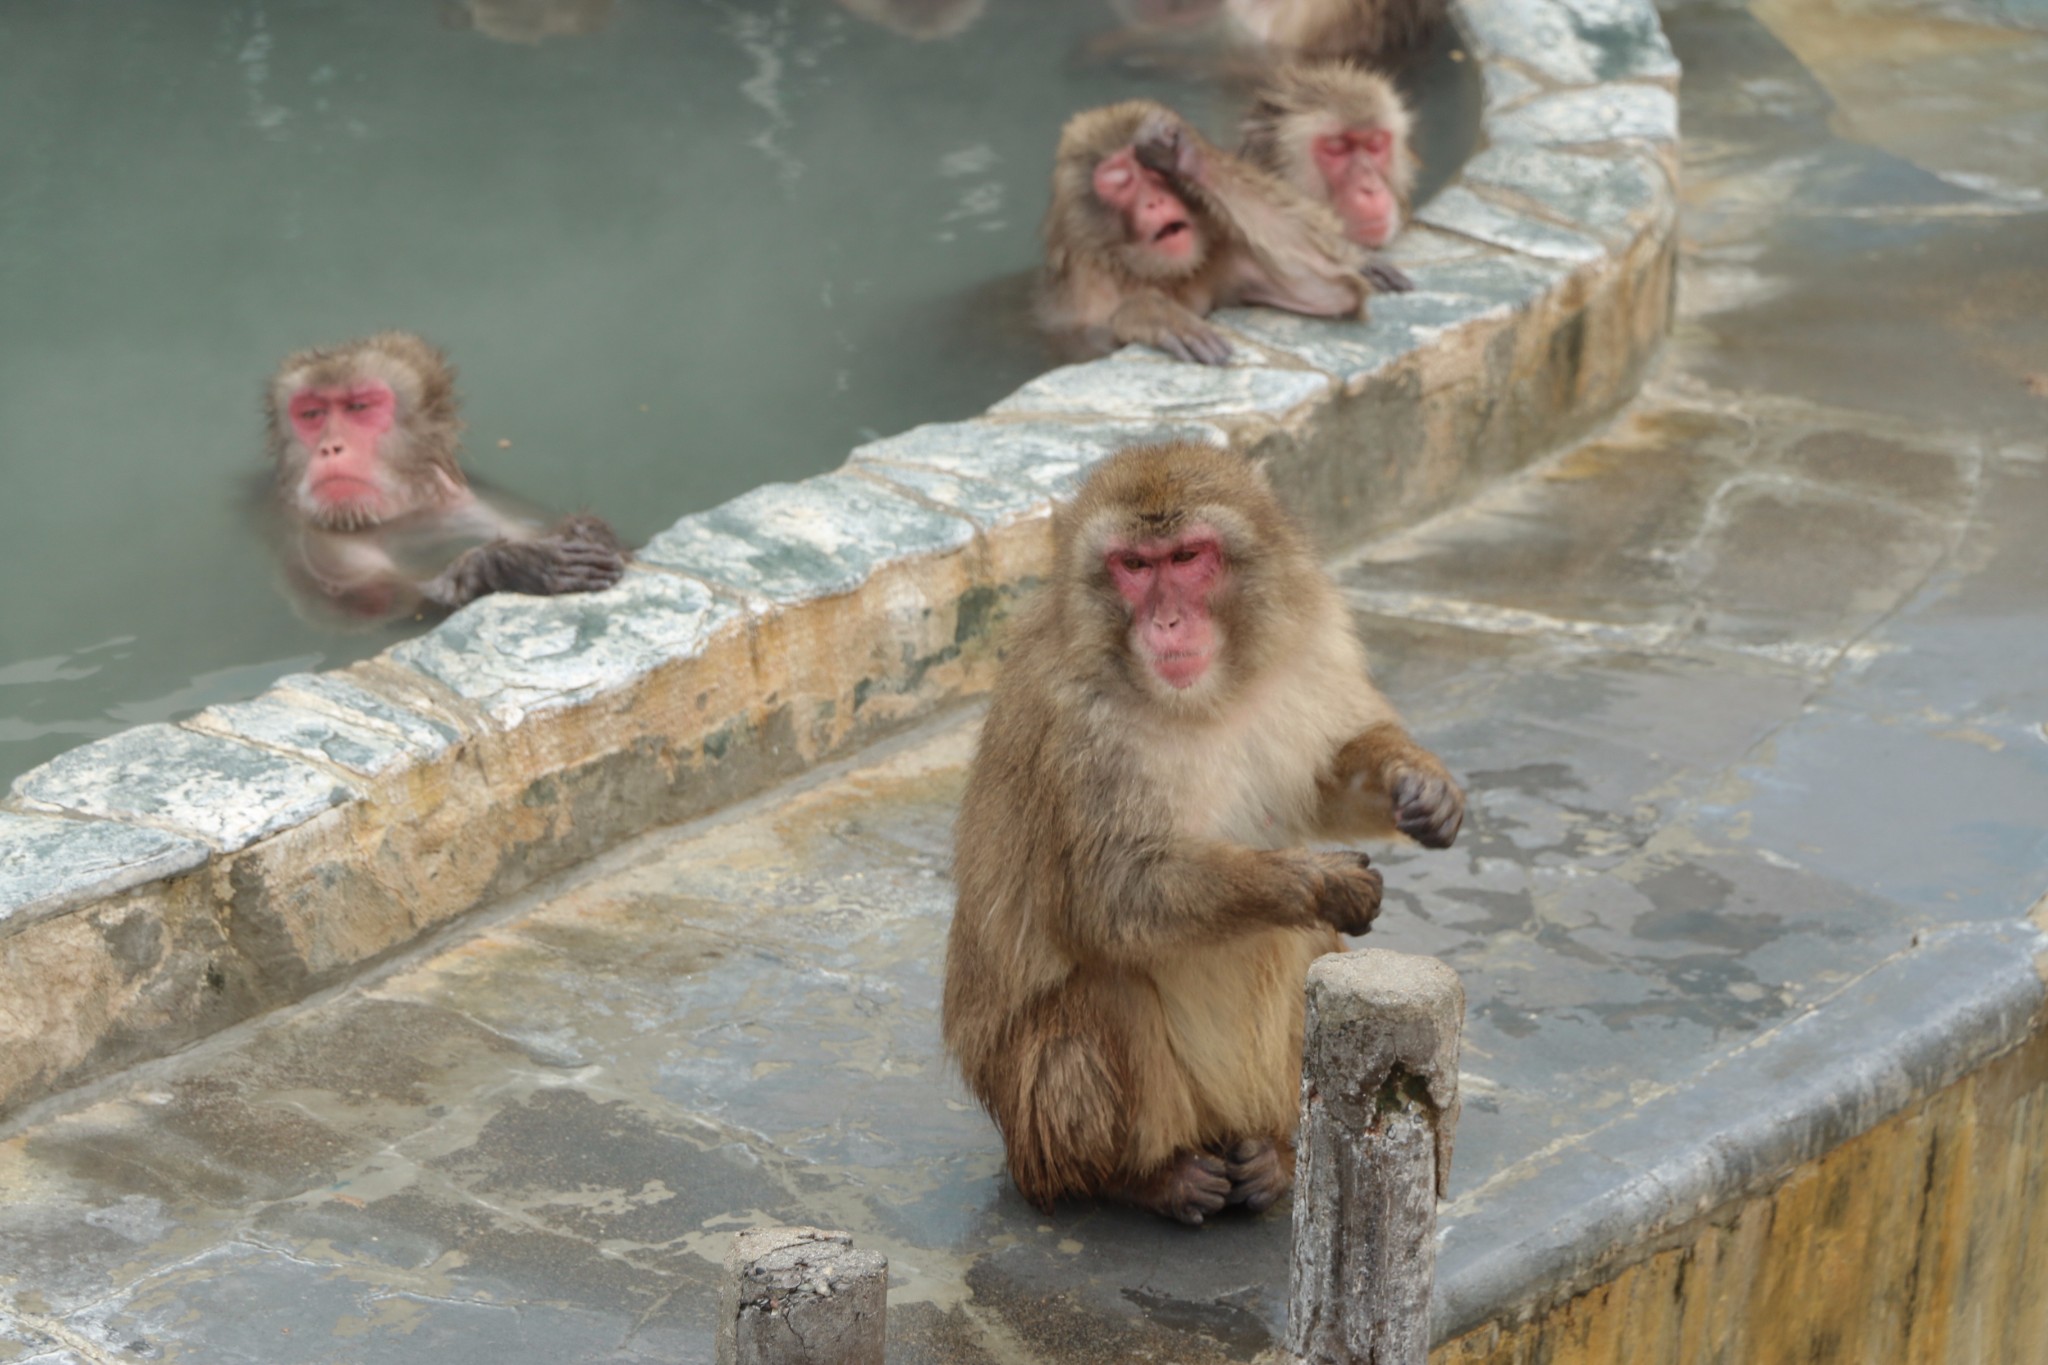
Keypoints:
(1136, 914)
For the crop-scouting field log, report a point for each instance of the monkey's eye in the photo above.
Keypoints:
(309, 414)
(356, 405)
(1335, 144)
(1134, 564)
(1184, 556)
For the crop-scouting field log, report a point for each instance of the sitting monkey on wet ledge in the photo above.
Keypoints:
(1181, 707)
(371, 516)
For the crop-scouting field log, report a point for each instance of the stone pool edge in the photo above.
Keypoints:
(170, 880)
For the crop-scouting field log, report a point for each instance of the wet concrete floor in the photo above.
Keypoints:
(1751, 695)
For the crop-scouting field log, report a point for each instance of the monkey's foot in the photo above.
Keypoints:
(1259, 1174)
(1187, 1190)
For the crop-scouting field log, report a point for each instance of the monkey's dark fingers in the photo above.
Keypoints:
(1211, 349)
(1388, 279)
(1429, 810)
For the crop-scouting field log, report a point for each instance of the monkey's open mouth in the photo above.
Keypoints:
(1172, 229)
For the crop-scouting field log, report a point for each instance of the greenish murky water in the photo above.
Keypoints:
(707, 245)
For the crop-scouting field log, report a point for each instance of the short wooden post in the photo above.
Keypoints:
(801, 1296)
(1379, 1106)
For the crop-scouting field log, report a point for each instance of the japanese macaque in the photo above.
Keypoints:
(1182, 705)
(374, 517)
(1151, 227)
(527, 21)
(1229, 36)
(923, 20)
(1342, 134)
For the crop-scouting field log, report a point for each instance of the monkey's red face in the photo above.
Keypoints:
(1356, 165)
(342, 428)
(1167, 585)
(1155, 218)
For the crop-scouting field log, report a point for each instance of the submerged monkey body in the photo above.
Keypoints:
(1136, 908)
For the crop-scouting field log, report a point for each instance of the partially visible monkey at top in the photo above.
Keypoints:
(373, 518)
(1229, 34)
(1183, 705)
(923, 20)
(1342, 134)
(527, 22)
(1151, 227)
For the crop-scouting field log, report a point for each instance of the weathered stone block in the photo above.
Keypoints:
(1499, 279)
(1460, 210)
(1146, 387)
(226, 793)
(1605, 195)
(518, 656)
(994, 472)
(1608, 113)
(1400, 323)
(278, 720)
(1576, 43)
(49, 865)
(798, 542)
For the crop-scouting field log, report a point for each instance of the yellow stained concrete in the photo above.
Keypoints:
(1924, 1239)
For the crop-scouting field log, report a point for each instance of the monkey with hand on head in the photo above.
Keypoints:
(374, 518)
(1343, 135)
(1151, 228)
(1183, 704)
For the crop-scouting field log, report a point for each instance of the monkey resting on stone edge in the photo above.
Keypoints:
(373, 517)
(1182, 705)
(1342, 134)
(1151, 227)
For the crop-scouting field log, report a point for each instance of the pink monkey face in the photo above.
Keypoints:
(1155, 218)
(1168, 584)
(342, 428)
(1357, 166)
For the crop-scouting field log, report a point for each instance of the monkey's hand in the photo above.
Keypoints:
(544, 566)
(589, 530)
(1428, 807)
(1163, 144)
(1386, 279)
(1346, 890)
(1152, 319)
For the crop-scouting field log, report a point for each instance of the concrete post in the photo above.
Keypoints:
(1379, 1106)
(801, 1296)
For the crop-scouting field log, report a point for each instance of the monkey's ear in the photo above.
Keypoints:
(1259, 468)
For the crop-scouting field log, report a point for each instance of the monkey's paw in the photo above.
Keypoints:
(1348, 893)
(575, 565)
(1258, 1176)
(1428, 807)
(1189, 1190)
(1162, 144)
(1387, 279)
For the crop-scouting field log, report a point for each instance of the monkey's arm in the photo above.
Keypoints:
(1132, 900)
(1296, 256)
(1384, 778)
(577, 554)
(1092, 314)
(1150, 317)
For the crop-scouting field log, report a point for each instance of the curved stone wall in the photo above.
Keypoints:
(167, 881)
